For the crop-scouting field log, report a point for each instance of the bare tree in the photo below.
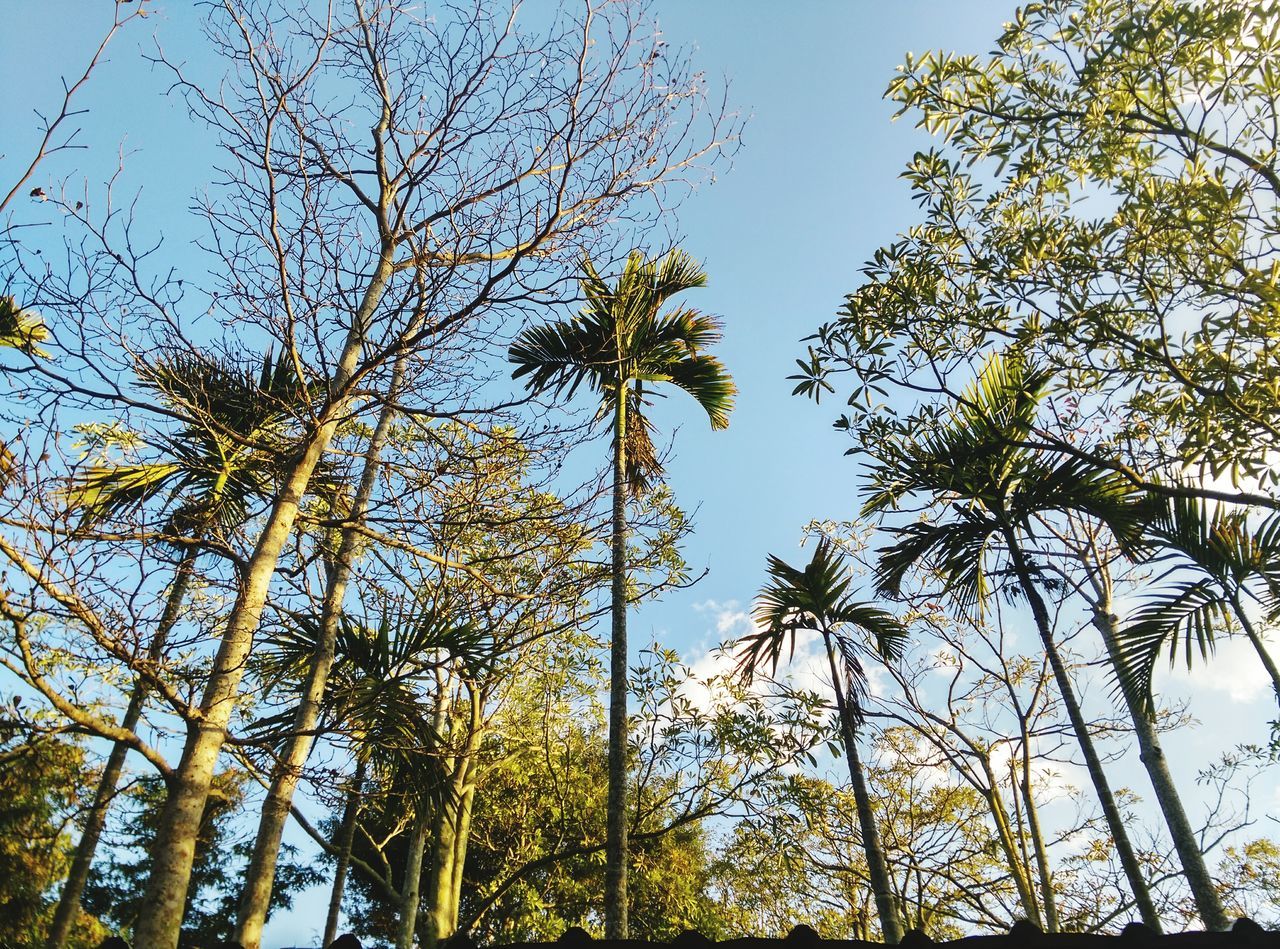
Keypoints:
(393, 186)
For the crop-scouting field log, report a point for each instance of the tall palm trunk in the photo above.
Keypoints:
(345, 842)
(1110, 811)
(1208, 902)
(78, 876)
(877, 868)
(411, 889)
(1023, 786)
(615, 868)
(174, 851)
(255, 896)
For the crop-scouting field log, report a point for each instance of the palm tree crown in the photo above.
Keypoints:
(230, 448)
(621, 342)
(979, 462)
(816, 597)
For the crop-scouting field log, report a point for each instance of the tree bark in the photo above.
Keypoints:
(877, 868)
(73, 888)
(179, 825)
(1004, 833)
(346, 840)
(1110, 811)
(412, 878)
(615, 868)
(1047, 897)
(255, 895)
(1208, 901)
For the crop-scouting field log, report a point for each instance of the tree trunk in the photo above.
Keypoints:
(615, 867)
(346, 840)
(174, 851)
(1115, 823)
(1208, 901)
(1037, 840)
(877, 868)
(73, 889)
(412, 879)
(1004, 833)
(255, 895)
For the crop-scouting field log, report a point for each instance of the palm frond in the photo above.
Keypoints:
(559, 357)
(1190, 614)
(956, 550)
(21, 329)
(704, 377)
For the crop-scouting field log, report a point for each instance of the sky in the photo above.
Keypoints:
(812, 192)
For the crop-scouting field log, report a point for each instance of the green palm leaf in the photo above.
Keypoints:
(1189, 614)
(817, 598)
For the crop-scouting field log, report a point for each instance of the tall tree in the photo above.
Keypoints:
(470, 162)
(617, 346)
(816, 598)
(227, 454)
(975, 454)
(1104, 187)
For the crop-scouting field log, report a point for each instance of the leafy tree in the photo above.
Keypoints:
(41, 788)
(618, 346)
(816, 598)
(1105, 193)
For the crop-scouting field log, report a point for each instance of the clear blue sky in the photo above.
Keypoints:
(812, 193)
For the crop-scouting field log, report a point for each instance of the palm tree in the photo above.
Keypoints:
(817, 599)
(995, 488)
(1229, 564)
(378, 695)
(226, 454)
(617, 346)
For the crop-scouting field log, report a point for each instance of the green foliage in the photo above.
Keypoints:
(1104, 197)
(621, 342)
(229, 450)
(974, 464)
(21, 329)
(816, 598)
(41, 789)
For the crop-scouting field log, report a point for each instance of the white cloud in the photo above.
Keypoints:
(1233, 669)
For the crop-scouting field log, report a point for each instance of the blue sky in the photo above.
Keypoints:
(812, 192)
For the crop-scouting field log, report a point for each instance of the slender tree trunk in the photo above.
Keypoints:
(166, 891)
(1115, 823)
(462, 839)
(1208, 901)
(615, 868)
(1008, 843)
(1037, 840)
(255, 895)
(440, 879)
(877, 868)
(346, 840)
(412, 878)
(73, 889)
